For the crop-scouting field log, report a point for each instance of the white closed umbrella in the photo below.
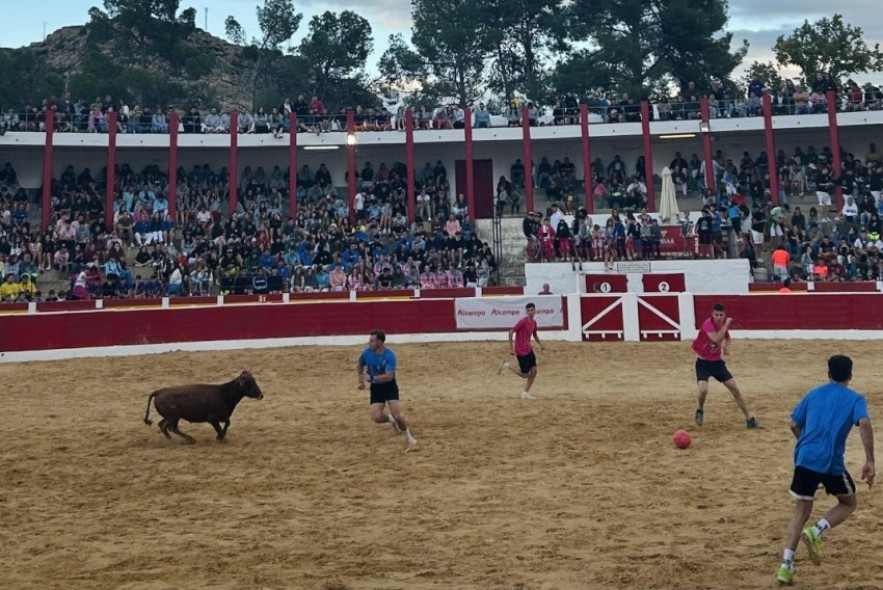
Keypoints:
(668, 205)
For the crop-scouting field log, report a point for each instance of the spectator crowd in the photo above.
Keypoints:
(148, 252)
(314, 116)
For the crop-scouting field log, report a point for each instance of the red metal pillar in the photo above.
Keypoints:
(705, 113)
(470, 162)
(770, 148)
(232, 197)
(409, 164)
(528, 159)
(835, 148)
(110, 177)
(46, 197)
(173, 164)
(587, 158)
(648, 156)
(292, 164)
(351, 160)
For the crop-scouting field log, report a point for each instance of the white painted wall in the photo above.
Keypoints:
(702, 277)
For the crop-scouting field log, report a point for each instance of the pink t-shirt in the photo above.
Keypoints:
(703, 346)
(524, 330)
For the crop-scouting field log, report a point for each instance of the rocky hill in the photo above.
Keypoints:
(227, 79)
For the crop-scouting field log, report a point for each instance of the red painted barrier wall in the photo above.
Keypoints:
(860, 287)
(797, 311)
(189, 320)
(241, 322)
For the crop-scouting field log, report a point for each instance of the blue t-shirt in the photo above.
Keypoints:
(826, 415)
(378, 364)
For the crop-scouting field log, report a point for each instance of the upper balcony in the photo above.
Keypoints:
(546, 131)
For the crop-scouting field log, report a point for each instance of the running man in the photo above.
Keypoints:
(377, 368)
(712, 340)
(523, 330)
(821, 422)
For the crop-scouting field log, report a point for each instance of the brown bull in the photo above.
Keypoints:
(201, 403)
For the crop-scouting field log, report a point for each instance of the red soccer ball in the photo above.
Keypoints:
(682, 439)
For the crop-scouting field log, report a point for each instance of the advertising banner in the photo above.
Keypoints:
(502, 313)
(675, 242)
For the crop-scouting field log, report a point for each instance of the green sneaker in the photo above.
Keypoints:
(785, 575)
(813, 542)
(752, 423)
(700, 417)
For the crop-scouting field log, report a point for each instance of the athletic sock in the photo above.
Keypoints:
(821, 526)
(788, 558)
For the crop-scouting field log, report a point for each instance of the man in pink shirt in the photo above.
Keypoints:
(523, 330)
(712, 340)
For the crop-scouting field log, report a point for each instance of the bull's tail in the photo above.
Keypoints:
(147, 419)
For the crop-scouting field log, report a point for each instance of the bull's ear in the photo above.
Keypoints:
(244, 375)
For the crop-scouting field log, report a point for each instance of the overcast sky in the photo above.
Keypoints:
(759, 21)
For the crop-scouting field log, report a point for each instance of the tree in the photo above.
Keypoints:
(765, 72)
(828, 45)
(446, 35)
(336, 48)
(30, 78)
(234, 31)
(644, 45)
(523, 35)
(278, 22)
(154, 26)
(401, 67)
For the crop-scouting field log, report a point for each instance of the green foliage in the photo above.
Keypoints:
(766, 72)
(234, 31)
(349, 93)
(583, 73)
(198, 64)
(336, 49)
(449, 37)
(641, 46)
(149, 27)
(523, 34)
(400, 66)
(33, 80)
(828, 45)
(278, 22)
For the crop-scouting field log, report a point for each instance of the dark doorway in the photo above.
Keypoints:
(482, 183)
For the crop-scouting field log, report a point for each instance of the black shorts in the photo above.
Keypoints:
(384, 392)
(806, 482)
(527, 362)
(716, 369)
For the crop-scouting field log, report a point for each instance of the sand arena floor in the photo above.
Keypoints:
(579, 489)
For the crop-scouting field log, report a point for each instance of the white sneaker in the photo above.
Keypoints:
(412, 442)
(526, 395)
(503, 366)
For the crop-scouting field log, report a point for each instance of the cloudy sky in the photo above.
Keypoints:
(758, 21)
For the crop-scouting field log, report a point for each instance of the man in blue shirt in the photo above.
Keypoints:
(821, 422)
(377, 368)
